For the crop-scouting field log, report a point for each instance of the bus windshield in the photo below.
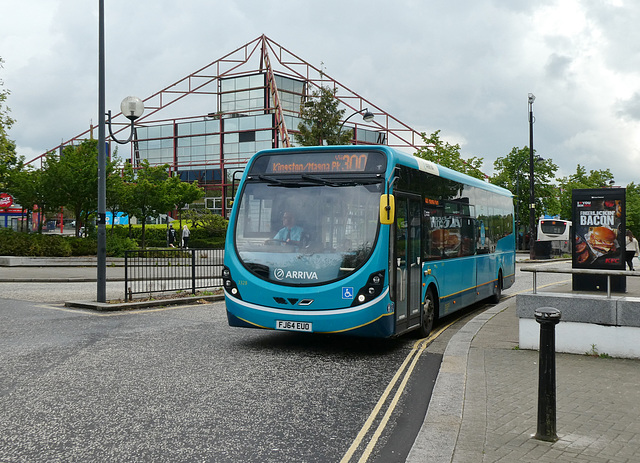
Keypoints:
(308, 229)
(553, 227)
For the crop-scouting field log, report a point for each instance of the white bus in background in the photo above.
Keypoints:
(556, 230)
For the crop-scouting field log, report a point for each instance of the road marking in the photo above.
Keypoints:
(392, 406)
(411, 360)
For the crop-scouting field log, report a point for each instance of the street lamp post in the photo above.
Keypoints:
(101, 295)
(536, 159)
(132, 108)
(367, 117)
(532, 199)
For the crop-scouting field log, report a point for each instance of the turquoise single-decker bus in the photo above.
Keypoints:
(362, 240)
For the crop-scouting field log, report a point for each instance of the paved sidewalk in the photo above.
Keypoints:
(484, 404)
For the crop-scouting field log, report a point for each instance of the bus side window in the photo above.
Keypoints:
(467, 232)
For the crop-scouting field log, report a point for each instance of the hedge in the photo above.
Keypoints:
(53, 245)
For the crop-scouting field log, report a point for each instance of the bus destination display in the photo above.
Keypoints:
(318, 163)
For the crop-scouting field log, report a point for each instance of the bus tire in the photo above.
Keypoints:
(428, 314)
(498, 292)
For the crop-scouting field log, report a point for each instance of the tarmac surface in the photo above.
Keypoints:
(484, 403)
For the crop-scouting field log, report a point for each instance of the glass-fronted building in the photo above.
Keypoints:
(211, 149)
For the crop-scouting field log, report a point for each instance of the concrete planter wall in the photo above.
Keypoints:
(608, 325)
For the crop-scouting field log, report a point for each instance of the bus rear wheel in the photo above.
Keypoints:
(498, 293)
(428, 314)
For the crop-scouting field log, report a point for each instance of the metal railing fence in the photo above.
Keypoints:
(579, 271)
(166, 270)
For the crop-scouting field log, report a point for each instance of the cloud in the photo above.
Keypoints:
(465, 68)
(629, 109)
(558, 66)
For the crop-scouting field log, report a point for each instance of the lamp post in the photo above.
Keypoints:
(532, 199)
(132, 110)
(101, 295)
(367, 117)
(536, 159)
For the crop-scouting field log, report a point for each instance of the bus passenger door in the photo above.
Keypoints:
(408, 266)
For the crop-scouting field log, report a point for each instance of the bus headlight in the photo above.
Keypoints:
(228, 284)
(373, 288)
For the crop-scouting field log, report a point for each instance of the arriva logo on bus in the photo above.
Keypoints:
(281, 274)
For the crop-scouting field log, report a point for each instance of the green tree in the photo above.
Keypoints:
(29, 189)
(322, 121)
(183, 193)
(9, 161)
(71, 180)
(580, 180)
(118, 193)
(512, 173)
(633, 208)
(448, 155)
(150, 194)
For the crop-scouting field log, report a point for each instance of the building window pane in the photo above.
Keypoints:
(257, 80)
(264, 121)
(246, 123)
(230, 125)
(246, 136)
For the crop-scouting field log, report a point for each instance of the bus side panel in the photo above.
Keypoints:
(457, 283)
(487, 271)
(507, 260)
(508, 269)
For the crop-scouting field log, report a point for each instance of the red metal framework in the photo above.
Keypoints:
(276, 59)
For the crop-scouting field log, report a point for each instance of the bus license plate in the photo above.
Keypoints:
(293, 326)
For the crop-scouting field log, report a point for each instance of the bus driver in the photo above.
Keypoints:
(290, 233)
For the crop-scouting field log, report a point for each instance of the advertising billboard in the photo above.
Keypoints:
(599, 228)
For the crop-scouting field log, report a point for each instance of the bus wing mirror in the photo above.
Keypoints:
(387, 209)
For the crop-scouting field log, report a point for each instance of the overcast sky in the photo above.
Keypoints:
(464, 67)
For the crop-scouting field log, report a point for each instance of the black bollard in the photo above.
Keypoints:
(548, 317)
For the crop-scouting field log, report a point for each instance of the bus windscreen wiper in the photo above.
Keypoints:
(337, 181)
(318, 180)
(276, 181)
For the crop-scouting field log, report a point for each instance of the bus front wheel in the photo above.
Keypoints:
(428, 314)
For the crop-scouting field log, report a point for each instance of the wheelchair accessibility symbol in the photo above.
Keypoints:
(347, 293)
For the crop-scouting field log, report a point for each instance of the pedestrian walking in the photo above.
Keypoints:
(185, 236)
(631, 250)
(171, 236)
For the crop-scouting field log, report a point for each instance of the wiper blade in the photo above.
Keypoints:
(338, 182)
(275, 181)
(318, 180)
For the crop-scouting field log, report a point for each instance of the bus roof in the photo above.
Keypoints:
(399, 158)
(445, 172)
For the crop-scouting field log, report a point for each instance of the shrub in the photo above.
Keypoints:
(33, 245)
(156, 235)
(13, 243)
(117, 245)
(83, 246)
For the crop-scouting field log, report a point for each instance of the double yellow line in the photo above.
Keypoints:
(404, 371)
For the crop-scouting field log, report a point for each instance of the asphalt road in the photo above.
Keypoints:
(178, 384)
